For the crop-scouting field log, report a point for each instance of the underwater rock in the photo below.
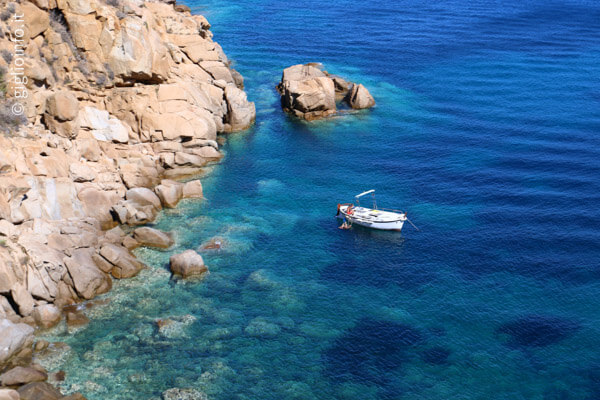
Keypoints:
(262, 328)
(184, 394)
(371, 349)
(215, 243)
(261, 280)
(538, 330)
(174, 327)
(187, 264)
(436, 355)
(46, 315)
(39, 391)
(76, 319)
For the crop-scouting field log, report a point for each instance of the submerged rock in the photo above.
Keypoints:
(21, 376)
(39, 391)
(46, 315)
(261, 327)
(174, 327)
(184, 394)
(538, 330)
(187, 264)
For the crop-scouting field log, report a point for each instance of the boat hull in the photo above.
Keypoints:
(394, 222)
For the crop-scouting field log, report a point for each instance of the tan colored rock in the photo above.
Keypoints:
(82, 7)
(143, 197)
(88, 280)
(186, 159)
(9, 394)
(169, 192)
(36, 20)
(310, 98)
(21, 376)
(359, 97)
(22, 299)
(125, 265)
(102, 126)
(63, 106)
(187, 264)
(97, 204)
(241, 112)
(135, 175)
(207, 152)
(217, 70)
(151, 237)
(132, 213)
(46, 315)
(43, 4)
(192, 189)
(13, 339)
(88, 149)
(39, 391)
(80, 172)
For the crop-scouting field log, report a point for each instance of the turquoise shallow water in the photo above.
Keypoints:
(485, 130)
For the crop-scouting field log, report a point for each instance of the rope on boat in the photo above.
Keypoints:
(414, 226)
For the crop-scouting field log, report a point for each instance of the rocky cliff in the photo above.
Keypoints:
(120, 94)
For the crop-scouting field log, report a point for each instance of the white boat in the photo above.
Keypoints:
(376, 218)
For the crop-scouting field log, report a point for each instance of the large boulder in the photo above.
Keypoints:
(169, 192)
(192, 189)
(21, 376)
(46, 315)
(310, 93)
(22, 299)
(144, 197)
(13, 339)
(307, 96)
(36, 20)
(97, 204)
(240, 112)
(187, 264)
(125, 264)
(88, 280)
(9, 394)
(62, 109)
(151, 237)
(359, 97)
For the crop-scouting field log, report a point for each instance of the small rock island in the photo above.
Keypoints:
(309, 92)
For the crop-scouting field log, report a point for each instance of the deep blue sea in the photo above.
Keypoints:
(486, 129)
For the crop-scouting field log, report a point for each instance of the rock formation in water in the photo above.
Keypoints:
(309, 92)
(123, 96)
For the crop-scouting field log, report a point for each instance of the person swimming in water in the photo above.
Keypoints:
(345, 224)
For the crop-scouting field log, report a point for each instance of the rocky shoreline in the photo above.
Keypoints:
(124, 97)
